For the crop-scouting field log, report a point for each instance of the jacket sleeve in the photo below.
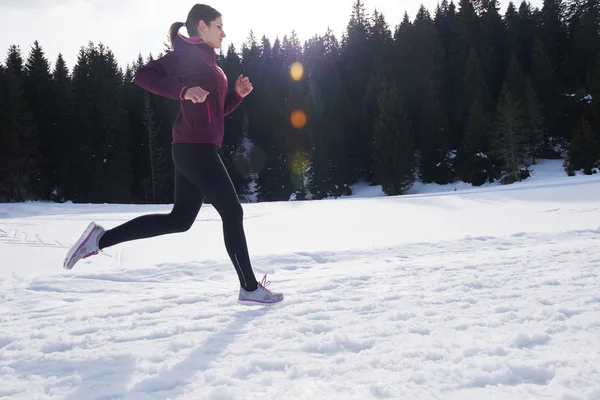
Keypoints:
(160, 76)
(232, 101)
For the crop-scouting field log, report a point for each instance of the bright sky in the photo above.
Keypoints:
(130, 27)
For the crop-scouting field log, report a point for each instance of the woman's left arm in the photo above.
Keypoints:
(243, 87)
(232, 101)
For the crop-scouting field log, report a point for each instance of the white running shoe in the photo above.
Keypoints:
(261, 295)
(86, 246)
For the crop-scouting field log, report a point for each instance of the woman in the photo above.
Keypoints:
(190, 74)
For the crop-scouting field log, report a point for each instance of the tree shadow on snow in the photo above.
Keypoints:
(199, 360)
(104, 378)
(100, 378)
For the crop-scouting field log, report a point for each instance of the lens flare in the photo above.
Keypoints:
(296, 71)
(298, 170)
(251, 162)
(298, 119)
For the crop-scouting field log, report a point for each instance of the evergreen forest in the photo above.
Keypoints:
(460, 93)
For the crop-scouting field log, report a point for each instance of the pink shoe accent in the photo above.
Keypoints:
(93, 253)
(261, 295)
(264, 283)
(74, 253)
(81, 245)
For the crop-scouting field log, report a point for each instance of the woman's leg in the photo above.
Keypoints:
(188, 200)
(207, 171)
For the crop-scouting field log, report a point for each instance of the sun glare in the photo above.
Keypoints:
(296, 71)
(298, 119)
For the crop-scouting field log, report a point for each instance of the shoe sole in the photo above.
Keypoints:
(82, 240)
(257, 302)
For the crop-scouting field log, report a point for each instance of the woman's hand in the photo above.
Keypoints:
(196, 94)
(243, 87)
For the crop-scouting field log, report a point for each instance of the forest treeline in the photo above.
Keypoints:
(461, 93)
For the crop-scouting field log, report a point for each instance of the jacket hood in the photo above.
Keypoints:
(181, 41)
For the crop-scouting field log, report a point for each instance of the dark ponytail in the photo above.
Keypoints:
(200, 12)
(173, 31)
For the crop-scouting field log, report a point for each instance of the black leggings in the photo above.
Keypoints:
(199, 172)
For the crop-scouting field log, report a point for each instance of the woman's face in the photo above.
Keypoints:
(212, 33)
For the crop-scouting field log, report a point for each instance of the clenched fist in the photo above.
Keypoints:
(243, 86)
(196, 94)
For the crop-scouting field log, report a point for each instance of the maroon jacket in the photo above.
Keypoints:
(192, 63)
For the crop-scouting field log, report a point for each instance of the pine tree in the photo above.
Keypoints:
(274, 183)
(584, 151)
(267, 121)
(475, 86)
(156, 154)
(494, 54)
(372, 91)
(467, 61)
(526, 26)
(474, 164)
(294, 136)
(509, 143)
(380, 45)
(404, 49)
(529, 115)
(326, 175)
(14, 62)
(583, 38)
(434, 140)
(75, 189)
(355, 69)
(520, 33)
(515, 78)
(292, 49)
(424, 102)
(37, 85)
(102, 163)
(61, 130)
(380, 42)
(322, 164)
(592, 97)
(393, 143)
(450, 63)
(545, 82)
(19, 148)
(165, 111)
(5, 190)
(134, 103)
(233, 151)
(468, 29)
(473, 158)
(533, 122)
(553, 33)
(511, 21)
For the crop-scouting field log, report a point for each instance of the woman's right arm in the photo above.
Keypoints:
(160, 76)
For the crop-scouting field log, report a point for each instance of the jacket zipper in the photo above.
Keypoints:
(208, 110)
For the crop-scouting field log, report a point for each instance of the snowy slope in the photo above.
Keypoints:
(478, 293)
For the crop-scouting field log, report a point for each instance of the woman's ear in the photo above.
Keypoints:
(202, 26)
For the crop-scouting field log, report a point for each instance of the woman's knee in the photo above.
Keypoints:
(238, 211)
(181, 223)
(233, 212)
(185, 225)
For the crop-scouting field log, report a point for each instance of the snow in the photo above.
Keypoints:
(478, 293)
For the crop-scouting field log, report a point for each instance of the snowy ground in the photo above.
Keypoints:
(487, 293)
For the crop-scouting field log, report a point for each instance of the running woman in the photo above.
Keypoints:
(189, 73)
